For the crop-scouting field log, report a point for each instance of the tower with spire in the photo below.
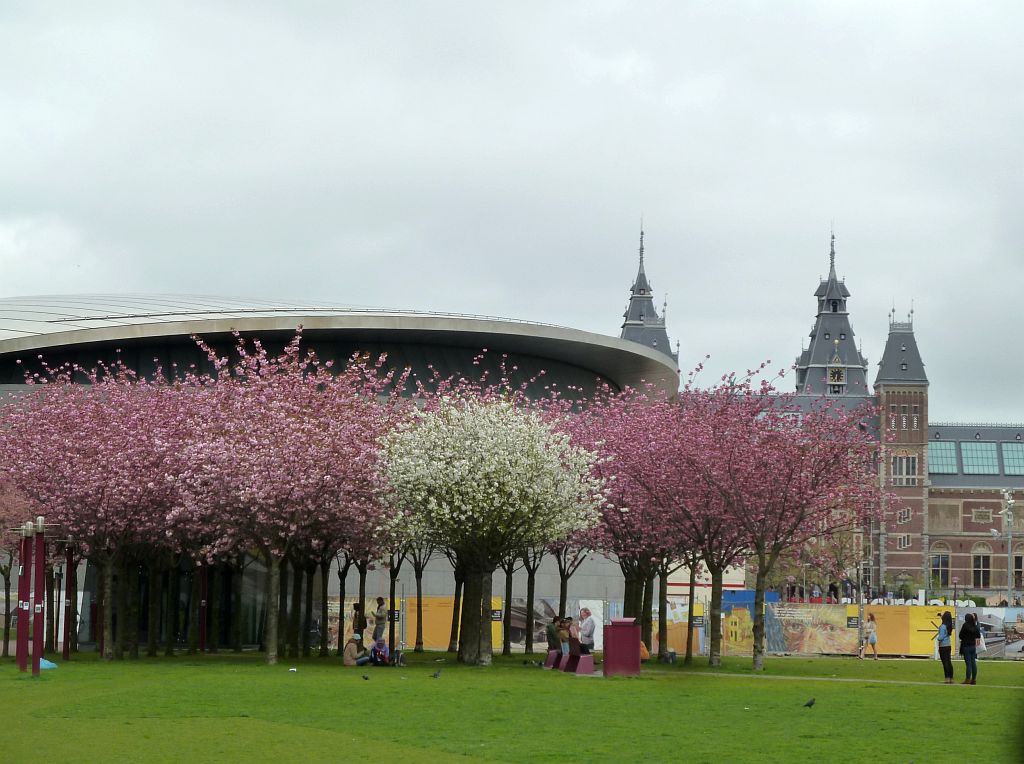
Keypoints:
(642, 323)
(832, 364)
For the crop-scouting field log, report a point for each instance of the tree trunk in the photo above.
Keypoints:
(307, 618)
(715, 617)
(131, 614)
(107, 571)
(692, 593)
(121, 603)
(663, 613)
(563, 591)
(50, 642)
(213, 597)
(72, 592)
(361, 566)
(281, 605)
(325, 578)
(531, 593)
(506, 620)
(419, 611)
(475, 642)
(759, 619)
(173, 606)
(237, 574)
(295, 612)
(273, 609)
(454, 638)
(153, 574)
(647, 615)
(7, 613)
(342, 580)
(195, 593)
(392, 586)
(632, 595)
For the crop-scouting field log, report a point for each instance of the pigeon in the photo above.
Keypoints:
(437, 674)
(366, 677)
(809, 703)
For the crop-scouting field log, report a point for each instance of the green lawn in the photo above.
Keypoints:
(234, 708)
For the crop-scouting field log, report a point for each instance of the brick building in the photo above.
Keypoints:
(947, 530)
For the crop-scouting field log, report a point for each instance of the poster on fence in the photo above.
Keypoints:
(810, 629)
(1003, 628)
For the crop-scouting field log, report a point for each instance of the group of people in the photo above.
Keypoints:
(379, 654)
(562, 630)
(970, 640)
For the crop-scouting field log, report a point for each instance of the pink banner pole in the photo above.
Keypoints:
(39, 588)
(24, 593)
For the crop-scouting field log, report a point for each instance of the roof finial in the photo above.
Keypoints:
(641, 241)
(832, 251)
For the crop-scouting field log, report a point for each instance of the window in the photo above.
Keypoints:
(903, 541)
(940, 569)
(904, 470)
(979, 458)
(942, 457)
(827, 335)
(1013, 458)
(916, 417)
(982, 570)
(1018, 571)
(903, 366)
(835, 306)
(842, 335)
(903, 515)
(981, 515)
(903, 422)
(836, 389)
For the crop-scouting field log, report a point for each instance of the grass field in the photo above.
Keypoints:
(234, 708)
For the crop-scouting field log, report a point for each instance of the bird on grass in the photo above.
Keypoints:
(809, 703)
(366, 677)
(437, 674)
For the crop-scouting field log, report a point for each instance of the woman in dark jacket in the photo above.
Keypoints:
(969, 636)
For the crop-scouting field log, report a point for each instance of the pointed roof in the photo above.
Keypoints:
(642, 323)
(901, 360)
(832, 344)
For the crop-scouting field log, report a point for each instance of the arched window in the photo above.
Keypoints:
(835, 306)
(981, 566)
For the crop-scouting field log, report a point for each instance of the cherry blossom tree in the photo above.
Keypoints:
(487, 478)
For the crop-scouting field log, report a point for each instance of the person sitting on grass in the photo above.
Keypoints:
(354, 655)
(379, 654)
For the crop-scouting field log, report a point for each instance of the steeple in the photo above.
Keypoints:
(642, 323)
(832, 364)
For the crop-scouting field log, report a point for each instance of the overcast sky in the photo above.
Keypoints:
(497, 158)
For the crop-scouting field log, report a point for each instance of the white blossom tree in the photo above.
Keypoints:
(486, 478)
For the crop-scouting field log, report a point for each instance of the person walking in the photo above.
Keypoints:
(969, 636)
(587, 629)
(870, 636)
(944, 638)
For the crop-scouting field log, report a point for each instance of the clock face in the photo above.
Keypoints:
(835, 375)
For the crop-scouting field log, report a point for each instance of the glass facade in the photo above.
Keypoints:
(979, 458)
(942, 457)
(1013, 458)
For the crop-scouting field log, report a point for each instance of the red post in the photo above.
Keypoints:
(69, 560)
(39, 622)
(203, 581)
(24, 592)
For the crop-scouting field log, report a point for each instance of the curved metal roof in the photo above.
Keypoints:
(60, 321)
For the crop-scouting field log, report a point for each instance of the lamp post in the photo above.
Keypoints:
(1007, 514)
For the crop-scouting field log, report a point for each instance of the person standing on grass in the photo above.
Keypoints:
(587, 628)
(870, 637)
(944, 638)
(380, 619)
(551, 632)
(969, 636)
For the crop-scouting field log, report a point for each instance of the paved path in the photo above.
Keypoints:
(842, 679)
